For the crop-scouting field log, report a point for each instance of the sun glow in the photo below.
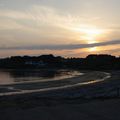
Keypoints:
(93, 49)
(90, 34)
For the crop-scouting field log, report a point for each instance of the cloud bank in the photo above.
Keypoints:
(62, 46)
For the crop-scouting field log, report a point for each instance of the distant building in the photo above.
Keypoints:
(35, 63)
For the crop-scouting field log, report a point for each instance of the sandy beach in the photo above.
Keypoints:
(92, 110)
(96, 101)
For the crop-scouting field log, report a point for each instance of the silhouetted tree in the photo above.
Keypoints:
(92, 62)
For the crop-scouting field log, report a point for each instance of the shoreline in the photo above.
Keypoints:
(64, 77)
(43, 86)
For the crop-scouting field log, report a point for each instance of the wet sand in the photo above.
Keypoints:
(40, 86)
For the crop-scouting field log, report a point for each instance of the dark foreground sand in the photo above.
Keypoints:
(94, 110)
(98, 101)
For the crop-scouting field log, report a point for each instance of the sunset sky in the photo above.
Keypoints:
(70, 28)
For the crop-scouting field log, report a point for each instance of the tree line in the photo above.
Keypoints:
(91, 62)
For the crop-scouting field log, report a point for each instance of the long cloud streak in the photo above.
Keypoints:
(62, 47)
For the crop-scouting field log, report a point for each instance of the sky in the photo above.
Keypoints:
(70, 28)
